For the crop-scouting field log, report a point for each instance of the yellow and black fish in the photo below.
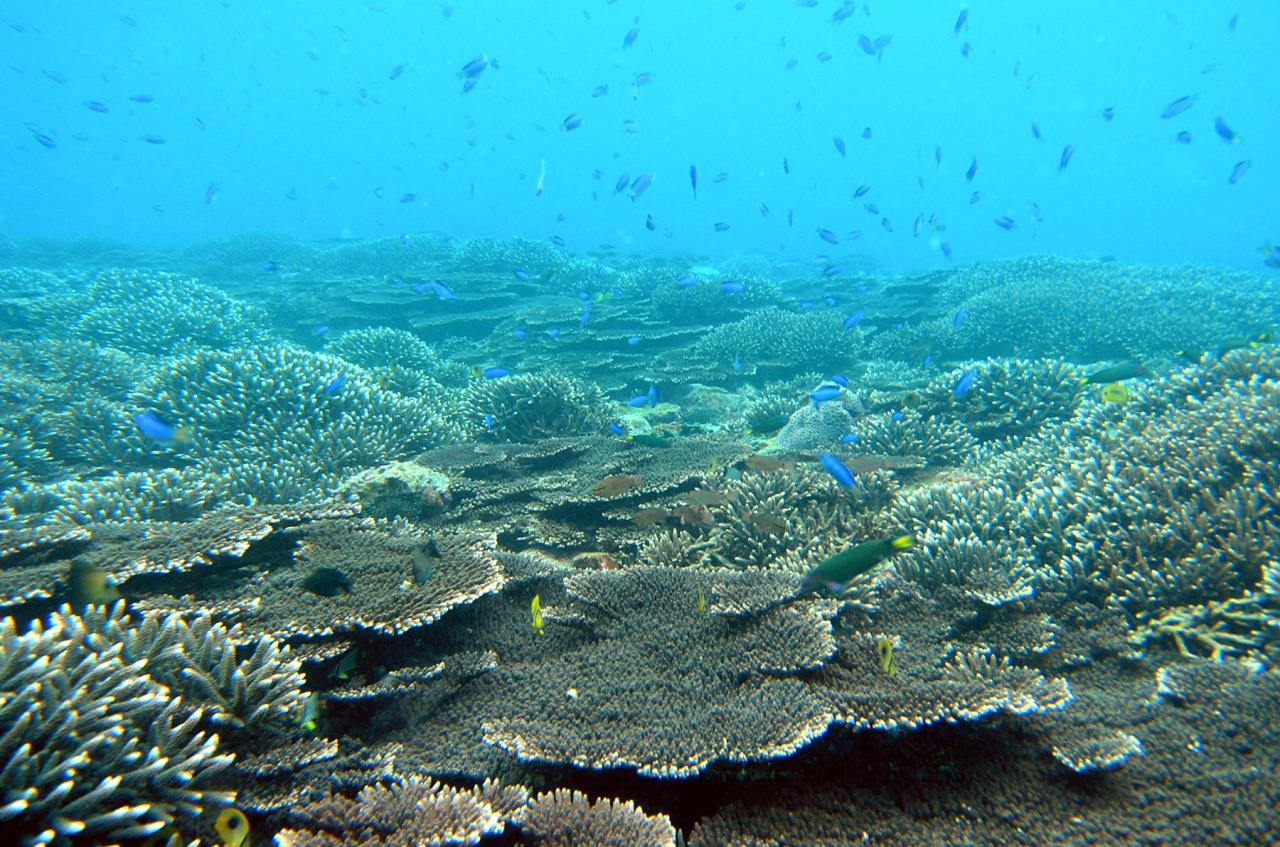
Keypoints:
(90, 585)
(232, 828)
(888, 663)
(535, 609)
(1115, 392)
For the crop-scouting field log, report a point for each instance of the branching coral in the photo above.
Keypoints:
(780, 340)
(527, 407)
(95, 747)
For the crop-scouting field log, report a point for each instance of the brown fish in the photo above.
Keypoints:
(768, 522)
(694, 515)
(706, 497)
(612, 486)
(650, 517)
(765, 464)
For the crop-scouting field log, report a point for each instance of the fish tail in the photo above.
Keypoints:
(903, 542)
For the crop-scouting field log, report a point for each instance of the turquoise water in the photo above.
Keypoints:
(670, 423)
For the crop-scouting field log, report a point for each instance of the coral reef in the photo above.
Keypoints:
(527, 407)
(780, 341)
(97, 746)
(813, 427)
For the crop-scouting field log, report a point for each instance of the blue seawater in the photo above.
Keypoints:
(722, 422)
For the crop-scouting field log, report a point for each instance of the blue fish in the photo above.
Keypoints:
(966, 383)
(495, 373)
(959, 319)
(851, 438)
(639, 401)
(1225, 132)
(860, 191)
(617, 429)
(838, 470)
(1065, 159)
(687, 281)
(733, 286)
(973, 170)
(269, 267)
(572, 122)
(152, 426)
(640, 185)
(828, 236)
(840, 380)
(653, 395)
(488, 422)
(622, 183)
(737, 361)
(336, 385)
(633, 340)
(554, 332)
(586, 313)
(693, 180)
(824, 393)
(853, 320)
(1177, 107)
(1183, 137)
(320, 330)
(839, 143)
(520, 334)
(1238, 172)
(721, 226)
(521, 274)
(896, 416)
(832, 270)
(442, 291)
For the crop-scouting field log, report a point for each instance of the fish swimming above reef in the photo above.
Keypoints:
(888, 664)
(90, 585)
(650, 517)
(1130, 369)
(834, 573)
(232, 828)
(767, 464)
(327, 582)
(535, 614)
(1115, 392)
(615, 485)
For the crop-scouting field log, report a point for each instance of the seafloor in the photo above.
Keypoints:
(322, 520)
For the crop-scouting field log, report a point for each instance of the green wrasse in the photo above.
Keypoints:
(1130, 369)
(835, 572)
(888, 663)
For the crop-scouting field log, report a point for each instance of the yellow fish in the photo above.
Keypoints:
(90, 585)
(702, 601)
(536, 608)
(714, 467)
(888, 664)
(1114, 392)
(232, 827)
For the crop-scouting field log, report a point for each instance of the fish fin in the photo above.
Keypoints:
(905, 542)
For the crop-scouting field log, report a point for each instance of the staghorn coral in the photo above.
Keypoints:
(937, 440)
(148, 312)
(564, 818)
(1043, 306)
(382, 346)
(791, 520)
(270, 424)
(198, 658)
(527, 407)
(95, 747)
(780, 340)
(1011, 398)
(706, 303)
